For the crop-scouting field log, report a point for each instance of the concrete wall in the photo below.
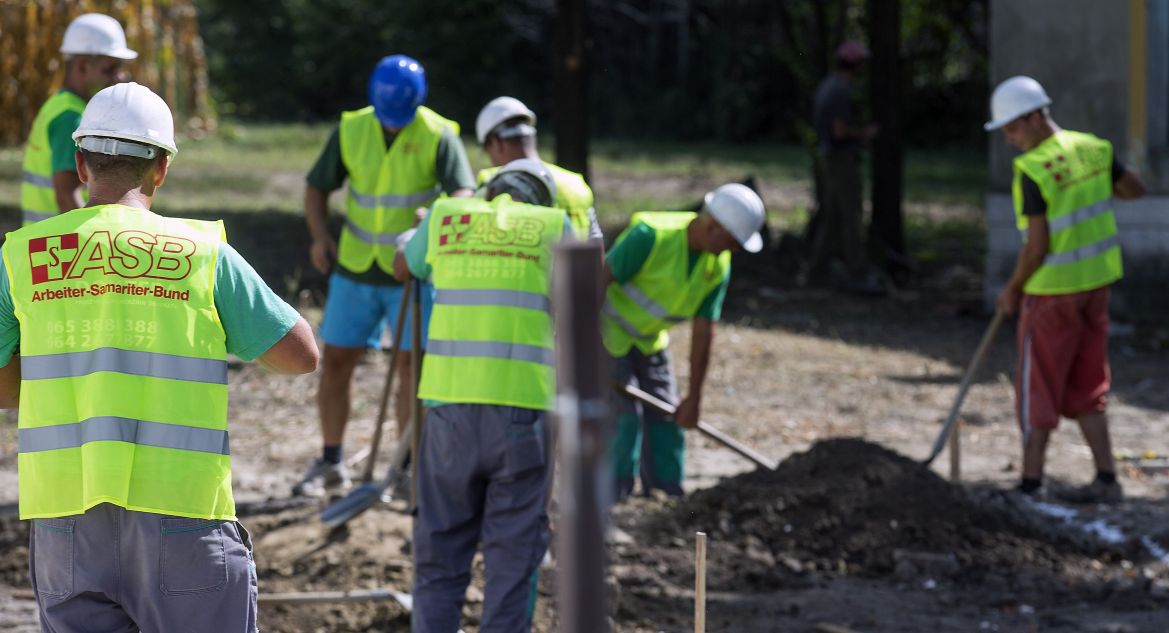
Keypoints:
(1080, 50)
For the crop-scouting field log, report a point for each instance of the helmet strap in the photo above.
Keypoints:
(116, 147)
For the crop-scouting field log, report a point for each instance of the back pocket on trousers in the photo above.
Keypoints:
(526, 447)
(191, 557)
(53, 557)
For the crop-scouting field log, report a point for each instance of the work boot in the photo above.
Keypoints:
(1095, 492)
(322, 477)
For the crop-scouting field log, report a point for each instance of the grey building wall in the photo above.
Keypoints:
(1079, 51)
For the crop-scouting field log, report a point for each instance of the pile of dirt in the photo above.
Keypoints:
(850, 507)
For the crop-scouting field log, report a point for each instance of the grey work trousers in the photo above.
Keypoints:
(646, 442)
(842, 209)
(113, 570)
(483, 473)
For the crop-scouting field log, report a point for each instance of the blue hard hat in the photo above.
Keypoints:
(396, 88)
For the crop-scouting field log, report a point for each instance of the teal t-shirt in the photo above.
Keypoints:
(61, 143)
(253, 317)
(628, 255)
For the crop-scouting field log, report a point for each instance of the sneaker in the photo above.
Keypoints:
(322, 477)
(1095, 492)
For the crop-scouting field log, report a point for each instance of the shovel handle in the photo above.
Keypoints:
(707, 429)
(964, 386)
(384, 403)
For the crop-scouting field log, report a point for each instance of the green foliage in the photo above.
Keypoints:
(725, 70)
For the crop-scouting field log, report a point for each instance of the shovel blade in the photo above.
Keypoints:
(353, 504)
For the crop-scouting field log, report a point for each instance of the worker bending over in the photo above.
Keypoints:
(488, 377)
(664, 269)
(123, 320)
(506, 129)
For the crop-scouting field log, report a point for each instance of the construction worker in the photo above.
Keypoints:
(94, 47)
(1063, 187)
(837, 246)
(664, 269)
(488, 379)
(397, 155)
(123, 320)
(506, 128)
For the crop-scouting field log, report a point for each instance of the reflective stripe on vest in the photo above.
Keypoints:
(123, 393)
(493, 297)
(38, 197)
(492, 349)
(664, 292)
(115, 429)
(490, 337)
(1073, 171)
(123, 361)
(386, 185)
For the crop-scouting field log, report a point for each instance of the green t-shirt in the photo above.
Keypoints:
(628, 255)
(451, 169)
(61, 143)
(253, 317)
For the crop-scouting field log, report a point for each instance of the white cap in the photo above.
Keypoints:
(501, 109)
(96, 34)
(129, 112)
(740, 211)
(1013, 98)
(528, 167)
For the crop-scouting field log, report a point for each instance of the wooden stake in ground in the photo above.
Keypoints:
(700, 582)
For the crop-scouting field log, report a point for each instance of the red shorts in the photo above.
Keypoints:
(1063, 357)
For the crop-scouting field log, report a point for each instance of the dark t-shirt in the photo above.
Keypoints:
(1033, 202)
(833, 101)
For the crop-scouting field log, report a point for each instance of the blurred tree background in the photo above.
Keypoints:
(725, 70)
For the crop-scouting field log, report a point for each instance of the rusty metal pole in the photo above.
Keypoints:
(581, 415)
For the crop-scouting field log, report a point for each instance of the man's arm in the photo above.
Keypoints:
(1030, 259)
(295, 353)
(10, 384)
(701, 337)
(1129, 186)
(323, 250)
(67, 187)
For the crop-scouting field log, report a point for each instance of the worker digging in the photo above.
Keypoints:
(751, 497)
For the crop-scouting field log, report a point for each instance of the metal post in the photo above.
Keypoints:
(581, 413)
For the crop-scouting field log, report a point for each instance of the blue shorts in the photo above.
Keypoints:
(357, 313)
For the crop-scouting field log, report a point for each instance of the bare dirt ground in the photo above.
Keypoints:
(848, 532)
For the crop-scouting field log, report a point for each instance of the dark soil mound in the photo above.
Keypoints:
(848, 506)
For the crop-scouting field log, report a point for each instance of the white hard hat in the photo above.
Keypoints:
(96, 34)
(501, 109)
(529, 167)
(1013, 98)
(740, 211)
(129, 112)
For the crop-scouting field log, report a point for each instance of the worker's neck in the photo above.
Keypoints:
(1045, 130)
(100, 194)
(72, 84)
(694, 234)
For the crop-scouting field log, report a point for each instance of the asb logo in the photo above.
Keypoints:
(128, 254)
(452, 229)
(51, 257)
(1059, 168)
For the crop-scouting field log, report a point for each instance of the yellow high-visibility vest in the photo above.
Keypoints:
(38, 198)
(1074, 173)
(123, 360)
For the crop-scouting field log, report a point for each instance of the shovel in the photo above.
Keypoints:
(967, 379)
(365, 496)
(633, 393)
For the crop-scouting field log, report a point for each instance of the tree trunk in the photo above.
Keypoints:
(886, 232)
(571, 79)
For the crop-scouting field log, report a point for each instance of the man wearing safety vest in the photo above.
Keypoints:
(664, 269)
(1063, 187)
(488, 379)
(398, 156)
(506, 129)
(123, 320)
(94, 47)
